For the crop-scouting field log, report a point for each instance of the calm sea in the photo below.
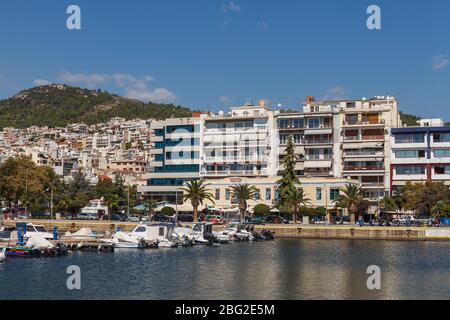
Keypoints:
(283, 269)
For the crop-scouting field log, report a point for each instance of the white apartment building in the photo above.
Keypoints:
(242, 143)
(420, 154)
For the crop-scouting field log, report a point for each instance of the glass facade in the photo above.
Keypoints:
(410, 170)
(442, 153)
(410, 138)
(410, 154)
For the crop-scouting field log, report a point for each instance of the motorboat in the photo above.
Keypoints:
(35, 229)
(125, 240)
(161, 232)
(202, 233)
(237, 232)
(2, 254)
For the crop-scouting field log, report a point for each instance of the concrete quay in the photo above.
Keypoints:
(298, 231)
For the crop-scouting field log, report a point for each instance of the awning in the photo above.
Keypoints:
(318, 131)
(317, 164)
(362, 159)
(362, 145)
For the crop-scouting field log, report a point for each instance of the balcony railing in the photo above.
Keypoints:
(317, 141)
(363, 122)
(363, 153)
(235, 159)
(319, 157)
(368, 137)
(360, 168)
(234, 172)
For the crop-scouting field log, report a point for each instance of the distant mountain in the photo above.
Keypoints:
(57, 105)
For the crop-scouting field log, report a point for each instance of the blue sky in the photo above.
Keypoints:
(209, 54)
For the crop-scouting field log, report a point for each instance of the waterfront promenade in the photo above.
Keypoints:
(313, 231)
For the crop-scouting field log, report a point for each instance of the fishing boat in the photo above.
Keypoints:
(22, 251)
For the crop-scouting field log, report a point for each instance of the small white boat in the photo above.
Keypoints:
(2, 254)
(35, 229)
(82, 234)
(155, 235)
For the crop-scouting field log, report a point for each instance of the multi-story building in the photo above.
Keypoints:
(365, 143)
(316, 137)
(420, 154)
(176, 155)
(240, 144)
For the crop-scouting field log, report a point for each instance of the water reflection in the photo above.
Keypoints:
(284, 269)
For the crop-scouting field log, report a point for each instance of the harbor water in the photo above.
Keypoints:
(283, 269)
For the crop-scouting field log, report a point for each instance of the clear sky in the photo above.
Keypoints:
(212, 54)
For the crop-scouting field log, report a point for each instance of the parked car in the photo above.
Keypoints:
(186, 218)
(134, 218)
(159, 217)
(276, 220)
(405, 220)
(215, 219)
(114, 217)
(40, 215)
(86, 216)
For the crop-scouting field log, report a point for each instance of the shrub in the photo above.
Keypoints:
(261, 210)
(168, 211)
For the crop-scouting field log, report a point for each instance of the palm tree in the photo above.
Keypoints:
(243, 192)
(294, 199)
(197, 191)
(149, 205)
(113, 201)
(348, 198)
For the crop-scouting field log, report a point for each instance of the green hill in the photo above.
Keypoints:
(409, 120)
(58, 105)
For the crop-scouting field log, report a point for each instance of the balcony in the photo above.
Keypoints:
(244, 173)
(317, 141)
(365, 123)
(232, 159)
(363, 168)
(363, 138)
(360, 153)
(319, 157)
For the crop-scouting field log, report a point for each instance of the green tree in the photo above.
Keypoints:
(149, 206)
(168, 211)
(288, 180)
(294, 199)
(243, 193)
(261, 209)
(197, 191)
(348, 198)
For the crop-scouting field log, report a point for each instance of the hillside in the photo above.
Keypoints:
(409, 120)
(58, 105)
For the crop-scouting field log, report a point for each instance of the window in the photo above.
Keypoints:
(334, 194)
(284, 123)
(442, 153)
(442, 170)
(318, 194)
(161, 231)
(298, 123)
(410, 138)
(227, 194)
(169, 155)
(140, 229)
(268, 194)
(408, 170)
(297, 138)
(283, 138)
(313, 122)
(441, 137)
(410, 154)
(217, 195)
(257, 195)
